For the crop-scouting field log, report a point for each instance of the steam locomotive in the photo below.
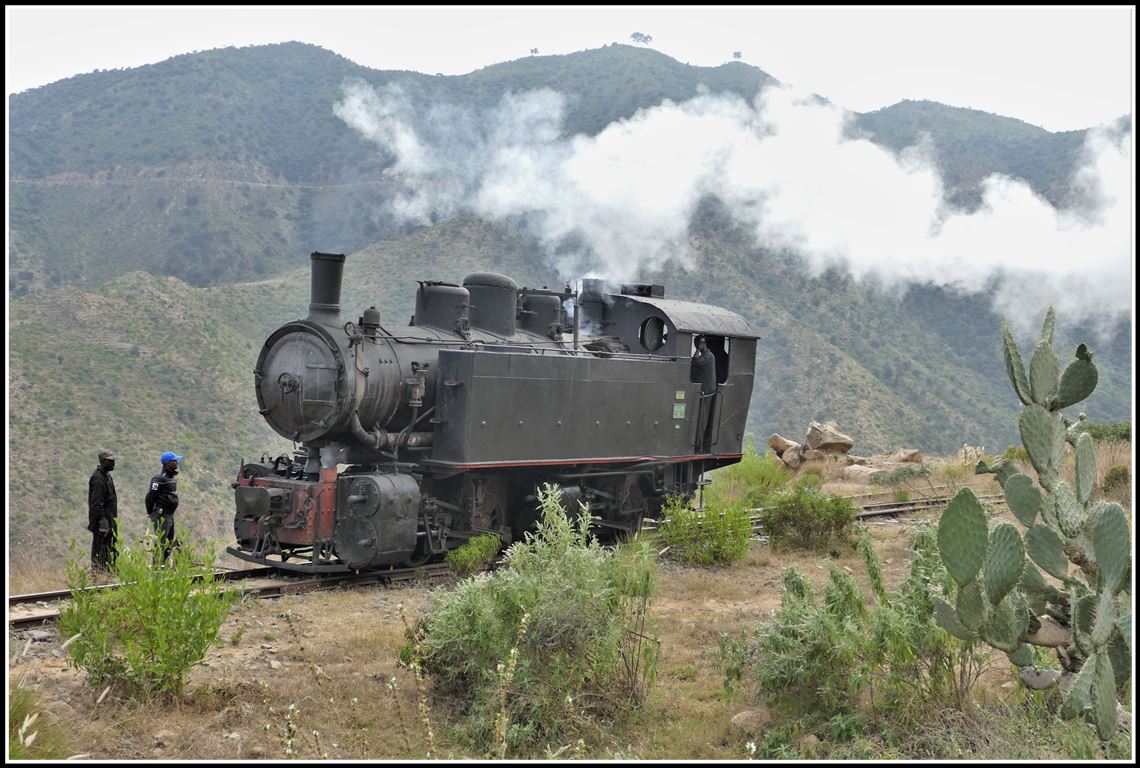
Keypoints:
(414, 440)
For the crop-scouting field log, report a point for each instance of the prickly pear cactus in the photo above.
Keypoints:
(1003, 599)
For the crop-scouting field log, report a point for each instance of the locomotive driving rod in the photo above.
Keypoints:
(379, 439)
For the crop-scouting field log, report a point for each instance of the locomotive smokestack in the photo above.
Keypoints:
(324, 296)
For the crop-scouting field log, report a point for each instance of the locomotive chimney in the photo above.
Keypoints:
(324, 296)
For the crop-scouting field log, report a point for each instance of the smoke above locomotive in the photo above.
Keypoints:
(414, 439)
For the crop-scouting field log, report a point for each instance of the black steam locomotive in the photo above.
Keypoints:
(414, 440)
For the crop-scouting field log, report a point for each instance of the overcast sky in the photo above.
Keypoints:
(1062, 68)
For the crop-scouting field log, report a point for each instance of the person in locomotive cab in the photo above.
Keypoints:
(103, 513)
(161, 501)
(702, 369)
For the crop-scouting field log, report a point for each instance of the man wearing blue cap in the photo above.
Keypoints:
(161, 501)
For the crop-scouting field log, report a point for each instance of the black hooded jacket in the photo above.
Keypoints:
(162, 497)
(102, 501)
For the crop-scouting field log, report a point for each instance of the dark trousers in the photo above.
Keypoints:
(103, 549)
(706, 414)
(164, 536)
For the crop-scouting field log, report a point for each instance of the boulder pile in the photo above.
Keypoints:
(824, 440)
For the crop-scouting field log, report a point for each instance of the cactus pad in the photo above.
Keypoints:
(1105, 620)
(1044, 547)
(1070, 514)
(1085, 467)
(962, 536)
(1023, 498)
(1005, 561)
(1103, 695)
(1111, 544)
(1077, 382)
(1047, 326)
(971, 608)
(1014, 367)
(1020, 613)
(1121, 659)
(1078, 697)
(1022, 657)
(947, 618)
(1041, 436)
(1084, 614)
(1001, 629)
(1043, 371)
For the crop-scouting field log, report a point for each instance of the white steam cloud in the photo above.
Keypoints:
(783, 164)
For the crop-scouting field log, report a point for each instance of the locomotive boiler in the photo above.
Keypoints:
(414, 439)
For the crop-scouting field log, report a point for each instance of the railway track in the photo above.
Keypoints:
(41, 607)
(900, 507)
(877, 509)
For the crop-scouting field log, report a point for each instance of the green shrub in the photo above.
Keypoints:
(1110, 432)
(806, 518)
(749, 482)
(1016, 453)
(808, 654)
(819, 655)
(147, 633)
(475, 555)
(717, 536)
(1116, 477)
(588, 652)
(32, 735)
(914, 666)
(900, 474)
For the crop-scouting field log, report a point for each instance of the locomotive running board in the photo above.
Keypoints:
(456, 466)
(300, 566)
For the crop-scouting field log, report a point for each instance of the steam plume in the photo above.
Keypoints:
(621, 201)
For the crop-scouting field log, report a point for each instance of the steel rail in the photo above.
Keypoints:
(282, 584)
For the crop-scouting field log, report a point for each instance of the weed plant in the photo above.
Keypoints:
(589, 650)
(717, 536)
(900, 474)
(1109, 432)
(914, 664)
(475, 555)
(750, 482)
(821, 653)
(33, 734)
(804, 517)
(1016, 453)
(146, 634)
(1116, 477)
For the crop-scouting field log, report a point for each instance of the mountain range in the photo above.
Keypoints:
(161, 218)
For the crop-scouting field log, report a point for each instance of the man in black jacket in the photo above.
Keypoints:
(702, 368)
(102, 513)
(161, 501)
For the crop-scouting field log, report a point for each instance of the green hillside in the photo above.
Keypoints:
(971, 145)
(224, 165)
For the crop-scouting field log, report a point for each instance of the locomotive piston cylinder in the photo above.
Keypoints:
(377, 519)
